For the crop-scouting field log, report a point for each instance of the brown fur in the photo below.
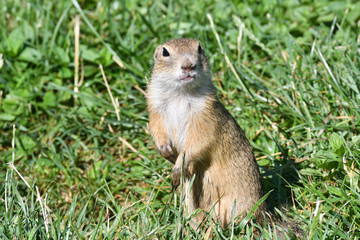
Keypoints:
(215, 148)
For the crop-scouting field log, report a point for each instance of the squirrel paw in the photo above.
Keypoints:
(167, 152)
(176, 178)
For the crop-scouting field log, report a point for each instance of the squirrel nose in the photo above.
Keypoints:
(187, 65)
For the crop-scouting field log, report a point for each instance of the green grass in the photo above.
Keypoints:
(291, 80)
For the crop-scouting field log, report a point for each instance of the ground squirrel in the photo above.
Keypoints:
(188, 123)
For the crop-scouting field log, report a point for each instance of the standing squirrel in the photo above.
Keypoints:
(188, 123)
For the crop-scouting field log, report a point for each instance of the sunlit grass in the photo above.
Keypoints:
(287, 71)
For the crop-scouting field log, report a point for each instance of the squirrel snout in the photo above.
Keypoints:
(187, 66)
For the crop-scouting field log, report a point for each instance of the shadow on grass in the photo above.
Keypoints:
(278, 179)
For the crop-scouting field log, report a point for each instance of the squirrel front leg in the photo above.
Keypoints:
(161, 137)
(197, 148)
(177, 170)
(188, 162)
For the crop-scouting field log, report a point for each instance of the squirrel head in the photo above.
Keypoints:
(181, 63)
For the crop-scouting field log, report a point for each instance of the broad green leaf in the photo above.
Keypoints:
(21, 93)
(49, 99)
(61, 57)
(83, 111)
(355, 140)
(65, 73)
(337, 6)
(12, 106)
(26, 141)
(90, 55)
(30, 55)
(329, 165)
(90, 70)
(65, 96)
(325, 155)
(326, 18)
(335, 141)
(7, 117)
(87, 101)
(105, 57)
(45, 162)
(14, 42)
(28, 32)
(310, 172)
(17, 37)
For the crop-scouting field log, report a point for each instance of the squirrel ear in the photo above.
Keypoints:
(156, 53)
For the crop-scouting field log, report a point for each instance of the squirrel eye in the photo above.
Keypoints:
(200, 50)
(165, 52)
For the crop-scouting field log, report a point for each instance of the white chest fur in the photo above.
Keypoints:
(178, 114)
(178, 106)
